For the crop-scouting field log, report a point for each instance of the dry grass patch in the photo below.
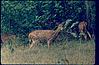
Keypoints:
(66, 53)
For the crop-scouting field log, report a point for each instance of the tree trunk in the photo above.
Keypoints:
(87, 10)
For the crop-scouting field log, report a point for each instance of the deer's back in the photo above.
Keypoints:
(42, 34)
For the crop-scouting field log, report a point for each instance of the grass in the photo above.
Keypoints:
(66, 53)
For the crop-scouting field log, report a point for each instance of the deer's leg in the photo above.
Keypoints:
(85, 36)
(32, 44)
(80, 39)
(93, 36)
(82, 36)
(48, 42)
(29, 41)
(89, 35)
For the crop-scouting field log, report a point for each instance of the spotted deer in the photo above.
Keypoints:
(48, 35)
(83, 29)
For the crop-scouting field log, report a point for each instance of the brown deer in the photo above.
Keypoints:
(48, 35)
(83, 28)
(6, 37)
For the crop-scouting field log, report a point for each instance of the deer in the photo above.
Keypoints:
(6, 37)
(48, 35)
(83, 29)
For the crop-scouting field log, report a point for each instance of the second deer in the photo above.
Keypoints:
(7, 37)
(83, 29)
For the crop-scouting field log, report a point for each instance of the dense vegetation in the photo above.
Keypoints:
(21, 17)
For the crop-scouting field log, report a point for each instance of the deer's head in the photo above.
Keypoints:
(82, 26)
(60, 27)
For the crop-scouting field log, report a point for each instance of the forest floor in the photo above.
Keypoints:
(67, 53)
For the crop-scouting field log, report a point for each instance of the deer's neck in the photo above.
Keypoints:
(57, 31)
(55, 34)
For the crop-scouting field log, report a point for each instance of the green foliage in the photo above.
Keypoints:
(21, 17)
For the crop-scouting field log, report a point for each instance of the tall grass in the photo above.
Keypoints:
(60, 53)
